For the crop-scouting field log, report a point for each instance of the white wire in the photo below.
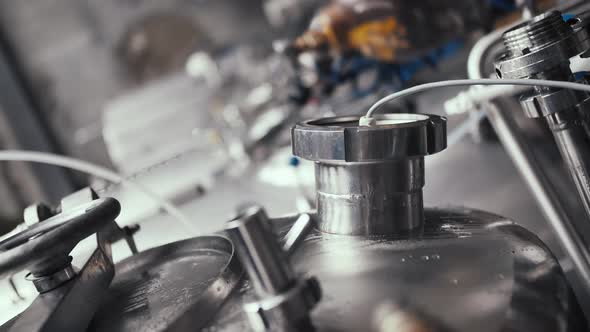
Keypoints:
(95, 170)
(482, 81)
(462, 129)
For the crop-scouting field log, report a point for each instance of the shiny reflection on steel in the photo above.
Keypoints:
(390, 316)
(298, 232)
(178, 286)
(522, 156)
(465, 257)
(372, 193)
(369, 179)
(283, 300)
(259, 252)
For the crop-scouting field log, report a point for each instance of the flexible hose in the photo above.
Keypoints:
(466, 82)
(97, 171)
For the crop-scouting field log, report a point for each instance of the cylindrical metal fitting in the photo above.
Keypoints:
(369, 180)
(542, 48)
(260, 253)
(537, 33)
(381, 197)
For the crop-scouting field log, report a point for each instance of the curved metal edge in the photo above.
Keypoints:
(199, 315)
(335, 122)
(324, 140)
(531, 273)
(523, 299)
(57, 221)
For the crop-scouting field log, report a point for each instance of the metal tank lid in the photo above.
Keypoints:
(392, 136)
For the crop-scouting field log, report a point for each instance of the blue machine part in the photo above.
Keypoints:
(294, 161)
(503, 5)
(580, 75)
(391, 75)
(566, 17)
(394, 76)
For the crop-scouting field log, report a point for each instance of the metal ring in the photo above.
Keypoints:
(46, 283)
(395, 136)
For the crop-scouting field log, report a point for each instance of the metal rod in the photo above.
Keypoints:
(574, 147)
(522, 156)
(260, 252)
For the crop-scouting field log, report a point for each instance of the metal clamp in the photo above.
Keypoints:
(540, 105)
(393, 136)
(284, 300)
(50, 282)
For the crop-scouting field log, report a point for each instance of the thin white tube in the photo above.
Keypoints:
(463, 129)
(95, 170)
(482, 81)
(466, 101)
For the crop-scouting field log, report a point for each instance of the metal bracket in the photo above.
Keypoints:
(82, 294)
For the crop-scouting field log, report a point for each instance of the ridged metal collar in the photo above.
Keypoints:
(395, 136)
(540, 31)
(543, 43)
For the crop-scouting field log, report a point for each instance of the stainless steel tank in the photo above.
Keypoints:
(377, 260)
(371, 258)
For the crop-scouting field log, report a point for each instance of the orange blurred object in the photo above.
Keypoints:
(393, 30)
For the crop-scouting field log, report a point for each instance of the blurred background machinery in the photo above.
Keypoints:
(194, 100)
(133, 85)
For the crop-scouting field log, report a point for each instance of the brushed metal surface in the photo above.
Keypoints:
(174, 287)
(469, 270)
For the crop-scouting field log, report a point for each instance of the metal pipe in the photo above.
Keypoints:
(573, 145)
(522, 156)
(284, 301)
(382, 197)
